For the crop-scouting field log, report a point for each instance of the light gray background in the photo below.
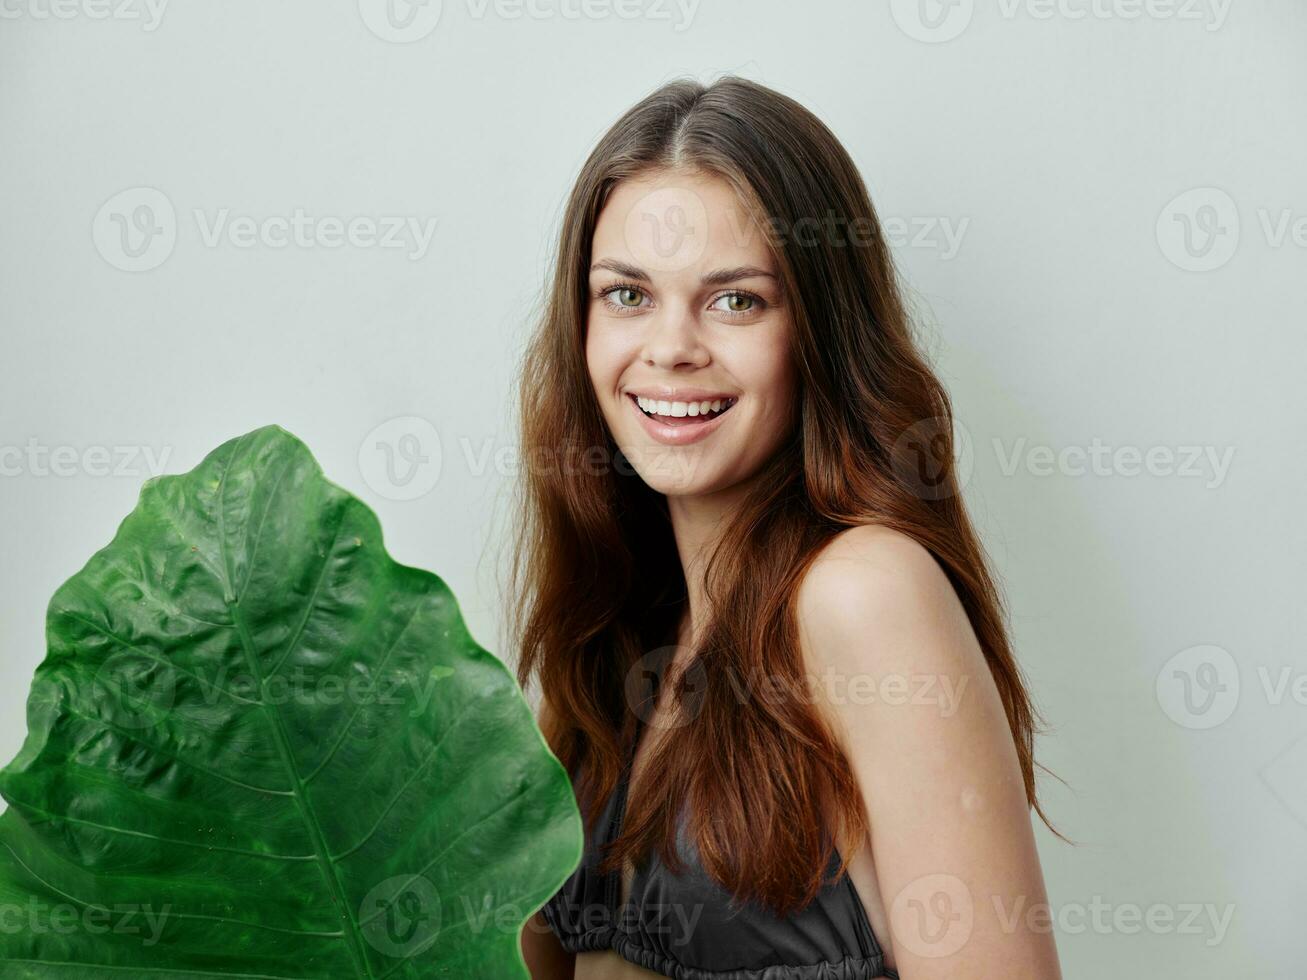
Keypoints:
(1067, 148)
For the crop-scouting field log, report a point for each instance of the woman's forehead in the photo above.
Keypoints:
(674, 222)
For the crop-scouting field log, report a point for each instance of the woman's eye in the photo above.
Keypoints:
(627, 297)
(736, 303)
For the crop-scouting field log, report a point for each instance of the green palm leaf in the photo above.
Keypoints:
(259, 747)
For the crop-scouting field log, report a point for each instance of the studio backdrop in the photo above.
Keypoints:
(338, 218)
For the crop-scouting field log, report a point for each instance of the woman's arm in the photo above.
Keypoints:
(899, 671)
(544, 954)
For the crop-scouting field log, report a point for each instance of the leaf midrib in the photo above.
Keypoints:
(353, 936)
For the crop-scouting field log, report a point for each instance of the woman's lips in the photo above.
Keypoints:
(678, 430)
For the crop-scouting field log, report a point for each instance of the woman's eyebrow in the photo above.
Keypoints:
(717, 277)
(621, 268)
(722, 276)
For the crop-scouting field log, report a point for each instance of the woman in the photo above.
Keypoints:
(742, 532)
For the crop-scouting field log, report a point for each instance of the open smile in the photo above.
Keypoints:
(680, 430)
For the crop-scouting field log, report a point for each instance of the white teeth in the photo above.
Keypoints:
(682, 409)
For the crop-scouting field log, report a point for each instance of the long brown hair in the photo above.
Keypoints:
(596, 580)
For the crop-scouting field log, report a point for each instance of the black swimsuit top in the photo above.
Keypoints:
(687, 927)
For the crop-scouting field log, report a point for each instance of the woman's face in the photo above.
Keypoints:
(685, 308)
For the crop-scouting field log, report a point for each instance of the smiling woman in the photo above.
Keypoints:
(777, 525)
(686, 319)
